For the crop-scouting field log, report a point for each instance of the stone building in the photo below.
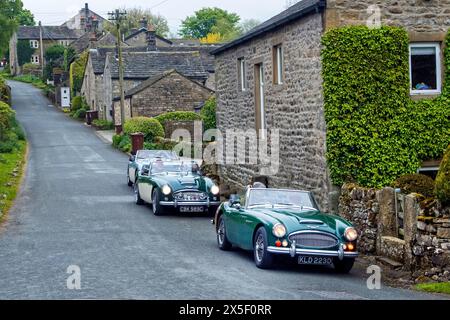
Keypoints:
(40, 38)
(165, 92)
(270, 78)
(85, 19)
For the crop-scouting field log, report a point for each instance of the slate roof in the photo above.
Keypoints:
(205, 53)
(48, 33)
(293, 13)
(142, 65)
(135, 32)
(151, 81)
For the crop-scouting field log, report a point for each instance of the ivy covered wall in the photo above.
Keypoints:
(375, 131)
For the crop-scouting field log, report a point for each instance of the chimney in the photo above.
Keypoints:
(151, 38)
(143, 23)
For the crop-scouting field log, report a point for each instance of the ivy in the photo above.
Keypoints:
(375, 132)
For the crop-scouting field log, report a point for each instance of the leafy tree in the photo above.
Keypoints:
(26, 18)
(12, 14)
(69, 56)
(55, 52)
(77, 72)
(210, 20)
(24, 51)
(212, 38)
(248, 25)
(133, 21)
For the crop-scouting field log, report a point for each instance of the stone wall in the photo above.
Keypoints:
(171, 126)
(430, 16)
(420, 240)
(172, 93)
(361, 207)
(295, 107)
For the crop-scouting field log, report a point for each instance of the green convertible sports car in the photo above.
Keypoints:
(285, 222)
(176, 185)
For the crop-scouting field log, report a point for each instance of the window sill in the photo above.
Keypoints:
(419, 95)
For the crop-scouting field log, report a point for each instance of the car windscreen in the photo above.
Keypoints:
(274, 197)
(171, 168)
(148, 154)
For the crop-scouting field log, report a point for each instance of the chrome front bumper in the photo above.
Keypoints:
(190, 203)
(311, 252)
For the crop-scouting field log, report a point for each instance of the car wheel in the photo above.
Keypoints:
(222, 239)
(263, 258)
(343, 266)
(137, 195)
(156, 207)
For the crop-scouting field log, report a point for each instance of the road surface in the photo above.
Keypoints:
(75, 209)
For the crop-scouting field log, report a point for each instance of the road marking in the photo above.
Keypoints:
(336, 295)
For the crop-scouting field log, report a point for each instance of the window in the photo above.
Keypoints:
(64, 42)
(242, 73)
(260, 115)
(425, 68)
(278, 67)
(34, 44)
(35, 59)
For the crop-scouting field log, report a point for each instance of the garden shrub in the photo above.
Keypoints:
(103, 124)
(30, 69)
(6, 116)
(80, 113)
(442, 184)
(178, 116)
(415, 183)
(117, 138)
(77, 69)
(76, 103)
(208, 114)
(375, 132)
(125, 143)
(150, 127)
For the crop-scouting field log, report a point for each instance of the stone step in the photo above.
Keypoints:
(389, 262)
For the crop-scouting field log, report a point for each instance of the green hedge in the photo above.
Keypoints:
(178, 116)
(375, 132)
(150, 127)
(103, 124)
(208, 114)
(442, 185)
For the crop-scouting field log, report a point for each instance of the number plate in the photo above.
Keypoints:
(315, 260)
(192, 209)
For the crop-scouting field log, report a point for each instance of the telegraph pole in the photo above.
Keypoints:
(118, 17)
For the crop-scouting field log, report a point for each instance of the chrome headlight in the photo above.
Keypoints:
(351, 234)
(215, 190)
(166, 190)
(279, 230)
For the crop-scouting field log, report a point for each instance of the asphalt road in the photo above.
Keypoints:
(76, 209)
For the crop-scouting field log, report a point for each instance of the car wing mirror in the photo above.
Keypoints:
(132, 158)
(145, 170)
(235, 201)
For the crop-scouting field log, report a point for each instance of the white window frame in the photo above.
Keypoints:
(279, 62)
(242, 74)
(35, 59)
(437, 46)
(34, 44)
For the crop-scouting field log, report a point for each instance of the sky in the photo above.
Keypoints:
(55, 12)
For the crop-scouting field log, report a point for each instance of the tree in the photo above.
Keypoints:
(26, 18)
(210, 20)
(54, 53)
(133, 21)
(12, 14)
(248, 25)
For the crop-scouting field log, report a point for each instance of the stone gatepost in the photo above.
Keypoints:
(386, 217)
(411, 212)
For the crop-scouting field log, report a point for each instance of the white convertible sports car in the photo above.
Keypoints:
(143, 157)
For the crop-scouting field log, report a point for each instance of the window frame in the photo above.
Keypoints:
(35, 59)
(437, 47)
(242, 74)
(34, 44)
(278, 64)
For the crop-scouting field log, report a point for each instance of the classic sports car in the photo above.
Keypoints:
(142, 157)
(176, 185)
(285, 222)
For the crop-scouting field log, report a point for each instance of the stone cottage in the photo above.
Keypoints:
(40, 38)
(271, 78)
(140, 66)
(165, 92)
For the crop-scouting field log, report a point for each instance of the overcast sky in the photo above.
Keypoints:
(55, 12)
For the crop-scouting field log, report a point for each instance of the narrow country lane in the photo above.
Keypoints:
(76, 209)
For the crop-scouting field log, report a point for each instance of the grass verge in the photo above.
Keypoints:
(443, 287)
(11, 171)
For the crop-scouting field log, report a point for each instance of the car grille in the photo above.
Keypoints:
(190, 196)
(314, 240)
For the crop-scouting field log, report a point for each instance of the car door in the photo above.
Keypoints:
(145, 186)
(246, 223)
